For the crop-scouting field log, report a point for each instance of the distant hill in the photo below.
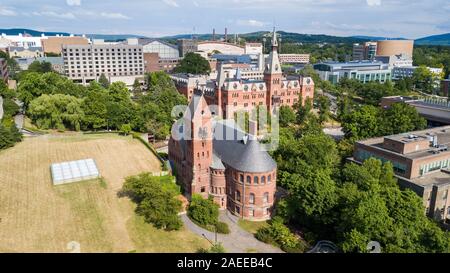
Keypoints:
(113, 37)
(285, 36)
(106, 37)
(443, 39)
(375, 38)
(17, 31)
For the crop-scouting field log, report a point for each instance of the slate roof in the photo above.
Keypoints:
(246, 156)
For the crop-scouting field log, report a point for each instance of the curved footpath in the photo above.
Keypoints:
(237, 241)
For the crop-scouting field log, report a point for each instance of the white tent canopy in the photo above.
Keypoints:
(74, 171)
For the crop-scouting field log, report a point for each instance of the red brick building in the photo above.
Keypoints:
(232, 94)
(213, 158)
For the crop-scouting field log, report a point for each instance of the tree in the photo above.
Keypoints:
(362, 123)
(203, 211)
(156, 198)
(303, 110)
(103, 81)
(40, 67)
(423, 79)
(95, 107)
(324, 108)
(9, 136)
(287, 116)
(125, 129)
(193, 63)
(401, 117)
(137, 89)
(57, 112)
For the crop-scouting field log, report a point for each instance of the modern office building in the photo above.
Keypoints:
(117, 61)
(54, 44)
(4, 75)
(400, 72)
(395, 47)
(421, 162)
(364, 51)
(364, 71)
(396, 60)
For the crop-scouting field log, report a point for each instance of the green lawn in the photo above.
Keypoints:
(252, 226)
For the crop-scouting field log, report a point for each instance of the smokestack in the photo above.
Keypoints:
(226, 34)
(214, 34)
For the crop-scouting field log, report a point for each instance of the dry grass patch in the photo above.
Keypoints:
(39, 217)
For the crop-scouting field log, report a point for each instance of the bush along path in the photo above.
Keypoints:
(237, 241)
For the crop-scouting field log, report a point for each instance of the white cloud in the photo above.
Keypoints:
(373, 2)
(114, 15)
(251, 23)
(4, 11)
(73, 2)
(171, 3)
(196, 3)
(66, 15)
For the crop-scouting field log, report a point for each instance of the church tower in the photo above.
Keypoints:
(273, 74)
(199, 146)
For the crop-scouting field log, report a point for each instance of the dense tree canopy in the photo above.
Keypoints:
(193, 63)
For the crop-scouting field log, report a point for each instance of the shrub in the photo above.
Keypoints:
(217, 248)
(156, 199)
(203, 211)
(222, 227)
(279, 235)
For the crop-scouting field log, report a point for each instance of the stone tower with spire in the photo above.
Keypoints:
(273, 74)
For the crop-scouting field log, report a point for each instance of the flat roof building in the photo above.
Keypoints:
(85, 63)
(364, 71)
(421, 162)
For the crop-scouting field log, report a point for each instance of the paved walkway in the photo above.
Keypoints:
(238, 241)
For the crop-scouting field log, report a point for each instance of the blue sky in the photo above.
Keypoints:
(390, 18)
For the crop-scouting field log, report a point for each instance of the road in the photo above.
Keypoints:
(238, 241)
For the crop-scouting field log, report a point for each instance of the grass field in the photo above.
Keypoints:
(251, 226)
(36, 216)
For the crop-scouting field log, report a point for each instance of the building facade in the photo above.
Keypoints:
(445, 87)
(294, 58)
(85, 63)
(25, 52)
(364, 51)
(364, 71)
(55, 44)
(186, 46)
(421, 162)
(400, 72)
(216, 158)
(244, 90)
(395, 47)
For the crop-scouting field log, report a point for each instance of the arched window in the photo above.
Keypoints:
(269, 178)
(241, 178)
(238, 196)
(252, 198)
(256, 180)
(263, 180)
(249, 179)
(266, 198)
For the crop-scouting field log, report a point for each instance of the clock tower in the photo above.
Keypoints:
(273, 75)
